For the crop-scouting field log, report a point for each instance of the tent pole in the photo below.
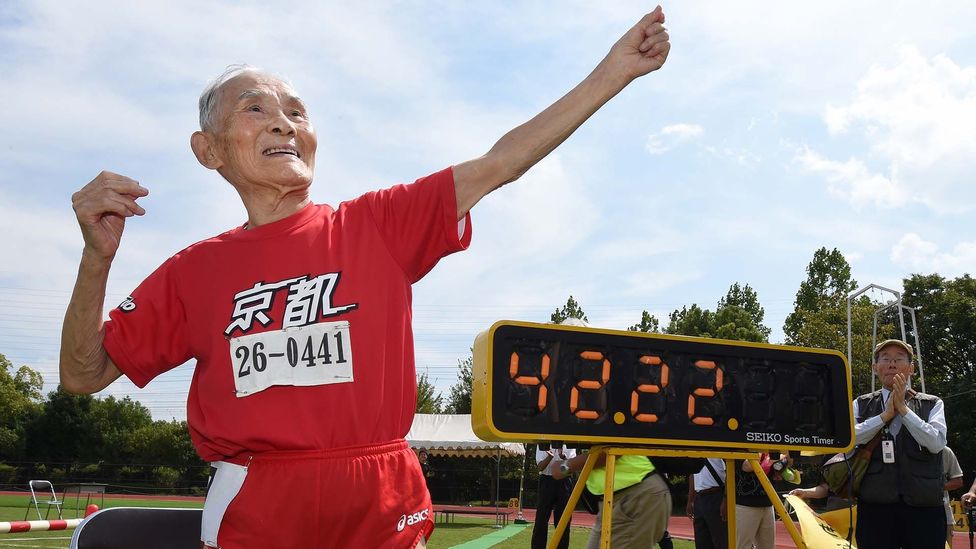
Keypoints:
(519, 519)
(498, 480)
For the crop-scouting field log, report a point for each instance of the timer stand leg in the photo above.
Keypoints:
(777, 504)
(591, 459)
(608, 500)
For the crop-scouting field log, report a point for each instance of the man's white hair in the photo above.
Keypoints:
(211, 94)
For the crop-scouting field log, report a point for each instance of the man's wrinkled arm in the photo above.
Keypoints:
(85, 366)
(641, 50)
(523, 147)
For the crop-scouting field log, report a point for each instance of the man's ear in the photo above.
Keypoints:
(204, 148)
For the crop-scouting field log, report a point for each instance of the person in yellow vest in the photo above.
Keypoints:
(641, 500)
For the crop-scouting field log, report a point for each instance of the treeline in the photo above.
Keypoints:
(79, 438)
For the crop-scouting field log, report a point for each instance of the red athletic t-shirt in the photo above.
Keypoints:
(301, 328)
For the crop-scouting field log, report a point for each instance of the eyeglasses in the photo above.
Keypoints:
(893, 361)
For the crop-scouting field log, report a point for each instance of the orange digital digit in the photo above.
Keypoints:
(589, 385)
(650, 361)
(533, 380)
(705, 392)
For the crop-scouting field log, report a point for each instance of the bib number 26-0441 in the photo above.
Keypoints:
(317, 354)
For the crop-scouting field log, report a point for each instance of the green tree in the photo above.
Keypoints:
(168, 443)
(737, 316)
(115, 422)
(691, 321)
(827, 285)
(742, 299)
(648, 324)
(20, 396)
(28, 382)
(165, 443)
(429, 401)
(819, 317)
(64, 431)
(459, 401)
(733, 322)
(571, 309)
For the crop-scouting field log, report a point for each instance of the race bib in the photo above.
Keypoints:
(317, 354)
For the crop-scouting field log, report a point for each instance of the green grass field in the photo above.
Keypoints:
(465, 529)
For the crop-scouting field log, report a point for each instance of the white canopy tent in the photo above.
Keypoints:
(451, 435)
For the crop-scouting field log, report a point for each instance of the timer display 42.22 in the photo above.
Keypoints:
(535, 382)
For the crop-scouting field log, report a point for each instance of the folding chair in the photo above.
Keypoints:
(142, 527)
(41, 488)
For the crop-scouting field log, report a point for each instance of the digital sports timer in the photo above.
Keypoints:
(536, 382)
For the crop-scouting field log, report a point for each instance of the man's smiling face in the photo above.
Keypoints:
(263, 136)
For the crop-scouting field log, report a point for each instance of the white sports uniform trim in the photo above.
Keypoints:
(224, 487)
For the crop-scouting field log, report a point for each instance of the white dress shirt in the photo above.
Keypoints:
(931, 434)
(562, 454)
(704, 478)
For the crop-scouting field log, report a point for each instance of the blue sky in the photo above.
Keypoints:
(774, 129)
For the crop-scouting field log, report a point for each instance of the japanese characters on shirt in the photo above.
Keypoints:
(305, 351)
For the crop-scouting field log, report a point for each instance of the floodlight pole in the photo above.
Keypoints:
(874, 332)
(918, 347)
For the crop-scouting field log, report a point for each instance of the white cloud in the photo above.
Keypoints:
(549, 210)
(793, 56)
(917, 117)
(650, 283)
(742, 157)
(656, 242)
(919, 109)
(45, 237)
(671, 136)
(920, 255)
(853, 181)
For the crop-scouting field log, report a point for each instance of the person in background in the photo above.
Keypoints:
(423, 457)
(553, 494)
(755, 522)
(900, 498)
(641, 500)
(707, 506)
(969, 498)
(953, 481)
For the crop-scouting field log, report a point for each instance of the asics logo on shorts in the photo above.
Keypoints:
(410, 520)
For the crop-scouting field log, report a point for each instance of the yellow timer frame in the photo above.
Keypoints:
(544, 382)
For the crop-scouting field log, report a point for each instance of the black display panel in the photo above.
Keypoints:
(546, 382)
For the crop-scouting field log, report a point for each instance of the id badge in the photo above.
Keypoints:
(303, 356)
(888, 451)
